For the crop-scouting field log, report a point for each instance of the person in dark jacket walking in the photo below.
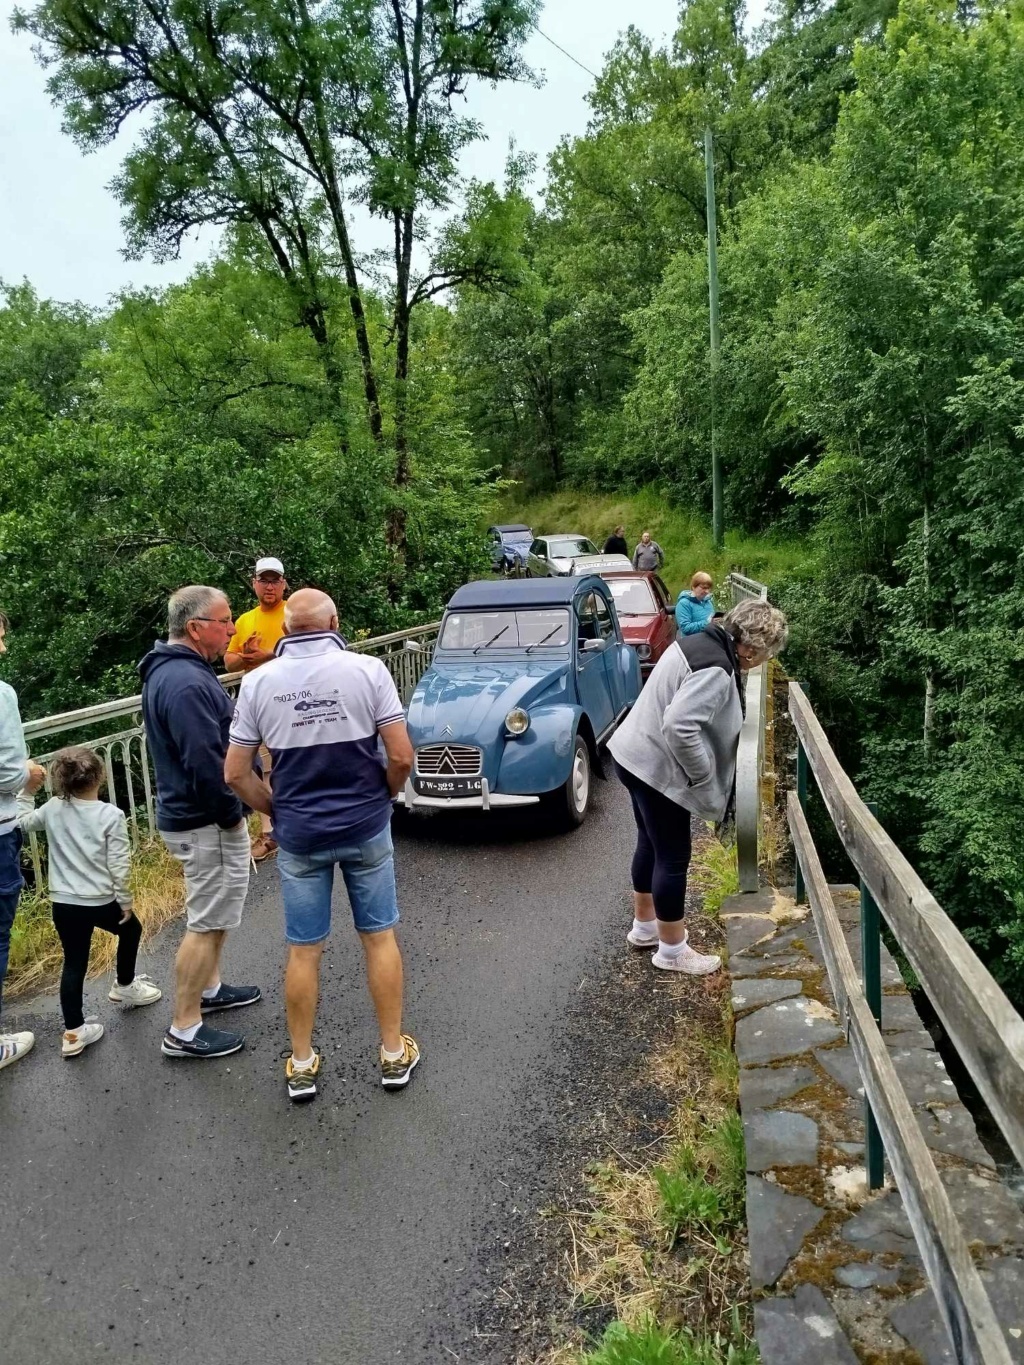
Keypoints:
(616, 544)
(676, 755)
(187, 715)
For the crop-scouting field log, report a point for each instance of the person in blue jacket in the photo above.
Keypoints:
(695, 607)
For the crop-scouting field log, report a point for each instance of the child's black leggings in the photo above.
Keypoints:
(74, 925)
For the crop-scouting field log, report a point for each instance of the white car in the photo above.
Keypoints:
(558, 556)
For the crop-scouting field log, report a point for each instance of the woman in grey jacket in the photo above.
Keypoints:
(676, 754)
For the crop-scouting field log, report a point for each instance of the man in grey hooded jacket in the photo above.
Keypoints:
(676, 754)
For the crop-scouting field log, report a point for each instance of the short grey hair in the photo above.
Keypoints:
(187, 604)
(759, 625)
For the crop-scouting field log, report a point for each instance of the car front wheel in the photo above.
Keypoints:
(572, 800)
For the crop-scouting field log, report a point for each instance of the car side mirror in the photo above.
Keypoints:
(588, 646)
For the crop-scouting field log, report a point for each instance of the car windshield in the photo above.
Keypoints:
(571, 546)
(633, 596)
(517, 537)
(480, 630)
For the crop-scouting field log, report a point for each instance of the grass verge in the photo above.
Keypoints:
(685, 538)
(661, 1238)
(35, 960)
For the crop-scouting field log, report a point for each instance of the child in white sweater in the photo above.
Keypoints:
(88, 864)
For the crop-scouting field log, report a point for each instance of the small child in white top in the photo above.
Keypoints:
(89, 859)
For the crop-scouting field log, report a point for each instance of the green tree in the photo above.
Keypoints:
(272, 119)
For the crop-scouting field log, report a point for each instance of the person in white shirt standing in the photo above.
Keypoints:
(17, 773)
(88, 861)
(335, 726)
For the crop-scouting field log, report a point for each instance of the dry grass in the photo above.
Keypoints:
(621, 1251)
(35, 960)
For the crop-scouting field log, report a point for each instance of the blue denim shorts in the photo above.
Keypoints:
(307, 881)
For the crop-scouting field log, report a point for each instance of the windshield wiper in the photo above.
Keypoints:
(537, 643)
(487, 643)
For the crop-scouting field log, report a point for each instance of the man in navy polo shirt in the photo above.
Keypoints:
(323, 714)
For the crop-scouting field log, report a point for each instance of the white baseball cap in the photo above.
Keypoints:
(268, 565)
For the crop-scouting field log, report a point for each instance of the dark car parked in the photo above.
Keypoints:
(644, 608)
(508, 546)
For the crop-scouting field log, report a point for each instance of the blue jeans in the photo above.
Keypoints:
(11, 882)
(307, 881)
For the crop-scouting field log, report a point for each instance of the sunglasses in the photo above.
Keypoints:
(270, 578)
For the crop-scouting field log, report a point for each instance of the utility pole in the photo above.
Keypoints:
(717, 513)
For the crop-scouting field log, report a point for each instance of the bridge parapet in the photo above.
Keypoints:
(750, 756)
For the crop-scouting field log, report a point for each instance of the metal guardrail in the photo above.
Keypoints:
(751, 751)
(406, 653)
(982, 1025)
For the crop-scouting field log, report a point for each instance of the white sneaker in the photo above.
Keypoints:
(688, 960)
(13, 1046)
(140, 992)
(648, 940)
(76, 1040)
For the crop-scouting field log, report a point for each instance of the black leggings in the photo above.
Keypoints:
(74, 925)
(662, 857)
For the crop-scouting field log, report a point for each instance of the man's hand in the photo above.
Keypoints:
(253, 654)
(126, 914)
(246, 784)
(36, 778)
(398, 748)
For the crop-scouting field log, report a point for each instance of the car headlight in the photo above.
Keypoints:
(643, 652)
(517, 722)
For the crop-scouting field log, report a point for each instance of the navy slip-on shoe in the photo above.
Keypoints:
(208, 1042)
(230, 998)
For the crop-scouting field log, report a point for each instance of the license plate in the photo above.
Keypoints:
(447, 786)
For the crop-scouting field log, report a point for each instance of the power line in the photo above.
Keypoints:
(566, 54)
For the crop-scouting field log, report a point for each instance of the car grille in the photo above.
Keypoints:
(448, 760)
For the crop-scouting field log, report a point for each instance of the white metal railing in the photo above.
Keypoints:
(125, 754)
(750, 754)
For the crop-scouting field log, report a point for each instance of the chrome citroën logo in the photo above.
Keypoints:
(447, 730)
(446, 763)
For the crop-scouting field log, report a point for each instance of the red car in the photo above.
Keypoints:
(645, 612)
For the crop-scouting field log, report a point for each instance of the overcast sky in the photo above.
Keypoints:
(60, 227)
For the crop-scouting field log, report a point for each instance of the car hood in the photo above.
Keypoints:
(637, 629)
(473, 698)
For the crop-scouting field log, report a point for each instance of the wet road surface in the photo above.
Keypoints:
(170, 1211)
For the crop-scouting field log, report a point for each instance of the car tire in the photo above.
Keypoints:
(571, 801)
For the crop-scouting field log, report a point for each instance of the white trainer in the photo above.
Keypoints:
(14, 1045)
(76, 1040)
(688, 960)
(648, 940)
(141, 991)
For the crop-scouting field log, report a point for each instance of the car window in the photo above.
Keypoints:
(605, 624)
(568, 546)
(538, 548)
(586, 618)
(495, 630)
(516, 537)
(632, 596)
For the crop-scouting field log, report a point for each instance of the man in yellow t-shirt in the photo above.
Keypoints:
(256, 634)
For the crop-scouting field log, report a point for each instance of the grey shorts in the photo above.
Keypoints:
(216, 866)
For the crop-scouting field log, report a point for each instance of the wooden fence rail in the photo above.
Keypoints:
(983, 1025)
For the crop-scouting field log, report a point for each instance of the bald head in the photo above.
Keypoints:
(309, 609)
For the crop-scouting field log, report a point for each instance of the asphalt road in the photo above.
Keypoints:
(167, 1211)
